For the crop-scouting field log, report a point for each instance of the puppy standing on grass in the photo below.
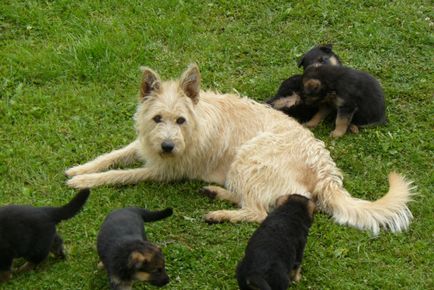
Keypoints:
(256, 152)
(355, 95)
(125, 252)
(288, 98)
(30, 232)
(275, 250)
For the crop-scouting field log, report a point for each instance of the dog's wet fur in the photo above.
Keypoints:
(125, 252)
(30, 232)
(356, 96)
(274, 252)
(288, 98)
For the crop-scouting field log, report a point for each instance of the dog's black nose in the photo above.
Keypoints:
(167, 146)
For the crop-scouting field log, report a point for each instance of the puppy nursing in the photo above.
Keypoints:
(30, 232)
(125, 252)
(274, 252)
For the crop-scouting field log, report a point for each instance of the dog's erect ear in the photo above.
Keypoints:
(190, 82)
(150, 82)
(326, 48)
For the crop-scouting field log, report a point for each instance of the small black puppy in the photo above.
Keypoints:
(356, 96)
(30, 232)
(288, 98)
(125, 252)
(274, 252)
(322, 54)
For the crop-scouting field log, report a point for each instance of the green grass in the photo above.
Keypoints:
(68, 87)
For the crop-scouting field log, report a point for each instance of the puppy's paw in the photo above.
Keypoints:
(310, 124)
(336, 134)
(83, 181)
(353, 129)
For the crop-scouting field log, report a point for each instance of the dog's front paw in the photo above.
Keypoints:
(76, 170)
(215, 217)
(82, 181)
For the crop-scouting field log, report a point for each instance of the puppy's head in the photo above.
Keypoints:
(165, 118)
(312, 91)
(147, 263)
(322, 54)
(304, 199)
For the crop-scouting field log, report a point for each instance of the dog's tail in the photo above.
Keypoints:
(152, 216)
(390, 211)
(257, 282)
(70, 209)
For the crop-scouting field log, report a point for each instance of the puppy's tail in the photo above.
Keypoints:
(257, 282)
(70, 209)
(389, 212)
(152, 216)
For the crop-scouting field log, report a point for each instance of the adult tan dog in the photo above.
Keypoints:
(257, 153)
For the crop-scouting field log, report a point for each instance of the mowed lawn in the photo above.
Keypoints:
(68, 91)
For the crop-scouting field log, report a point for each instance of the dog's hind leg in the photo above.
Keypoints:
(112, 177)
(123, 156)
(220, 193)
(249, 214)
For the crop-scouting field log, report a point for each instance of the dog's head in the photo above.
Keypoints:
(288, 94)
(147, 264)
(165, 116)
(319, 55)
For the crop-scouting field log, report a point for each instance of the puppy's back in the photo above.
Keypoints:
(273, 246)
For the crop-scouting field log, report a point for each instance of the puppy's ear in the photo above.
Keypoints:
(327, 48)
(301, 61)
(281, 200)
(311, 208)
(190, 82)
(150, 82)
(137, 259)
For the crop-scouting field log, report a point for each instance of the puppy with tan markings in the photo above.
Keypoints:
(125, 252)
(275, 250)
(319, 55)
(356, 96)
(30, 232)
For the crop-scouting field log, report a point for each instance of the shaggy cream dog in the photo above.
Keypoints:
(257, 153)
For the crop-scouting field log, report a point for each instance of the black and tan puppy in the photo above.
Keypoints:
(274, 252)
(321, 54)
(356, 96)
(288, 98)
(125, 252)
(30, 232)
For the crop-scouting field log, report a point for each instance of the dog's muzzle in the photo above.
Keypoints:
(167, 146)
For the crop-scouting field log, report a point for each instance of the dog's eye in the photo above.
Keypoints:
(157, 119)
(180, 120)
